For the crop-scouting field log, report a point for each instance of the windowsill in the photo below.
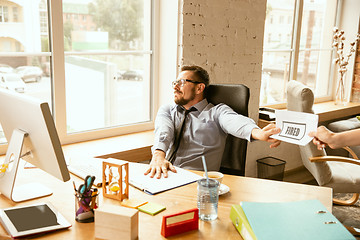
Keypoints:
(109, 146)
(328, 111)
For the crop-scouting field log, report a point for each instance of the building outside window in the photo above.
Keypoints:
(4, 14)
(304, 56)
(107, 72)
(15, 14)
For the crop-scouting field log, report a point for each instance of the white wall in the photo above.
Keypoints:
(226, 38)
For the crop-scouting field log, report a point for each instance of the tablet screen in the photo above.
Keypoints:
(33, 217)
(28, 220)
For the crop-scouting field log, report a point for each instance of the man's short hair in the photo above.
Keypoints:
(200, 73)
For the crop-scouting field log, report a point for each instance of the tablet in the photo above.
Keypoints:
(27, 220)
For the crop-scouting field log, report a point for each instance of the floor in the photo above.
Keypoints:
(347, 215)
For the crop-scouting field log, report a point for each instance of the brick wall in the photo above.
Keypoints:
(226, 38)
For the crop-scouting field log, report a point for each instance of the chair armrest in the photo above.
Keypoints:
(352, 153)
(134, 155)
(334, 159)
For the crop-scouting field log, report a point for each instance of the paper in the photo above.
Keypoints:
(153, 185)
(295, 126)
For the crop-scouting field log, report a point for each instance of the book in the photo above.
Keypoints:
(153, 185)
(300, 220)
(241, 223)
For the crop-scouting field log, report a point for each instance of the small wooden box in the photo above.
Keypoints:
(116, 222)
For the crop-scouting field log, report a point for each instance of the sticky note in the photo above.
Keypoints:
(133, 203)
(151, 208)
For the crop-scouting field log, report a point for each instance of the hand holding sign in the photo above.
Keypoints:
(295, 126)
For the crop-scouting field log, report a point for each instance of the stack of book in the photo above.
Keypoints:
(300, 220)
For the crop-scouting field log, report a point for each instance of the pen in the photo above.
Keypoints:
(93, 199)
(74, 186)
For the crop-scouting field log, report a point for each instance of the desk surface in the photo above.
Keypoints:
(183, 198)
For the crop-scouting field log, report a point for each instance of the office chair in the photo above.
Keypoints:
(342, 174)
(236, 97)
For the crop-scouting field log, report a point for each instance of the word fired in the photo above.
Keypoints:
(293, 130)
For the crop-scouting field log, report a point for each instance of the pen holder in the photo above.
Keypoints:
(85, 205)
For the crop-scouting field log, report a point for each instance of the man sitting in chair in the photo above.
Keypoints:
(203, 133)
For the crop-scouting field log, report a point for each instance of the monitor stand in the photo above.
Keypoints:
(7, 179)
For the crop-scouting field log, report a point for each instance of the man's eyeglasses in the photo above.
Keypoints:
(181, 82)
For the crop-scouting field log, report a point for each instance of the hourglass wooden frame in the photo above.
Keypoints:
(123, 192)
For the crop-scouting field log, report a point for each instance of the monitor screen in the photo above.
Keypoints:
(31, 118)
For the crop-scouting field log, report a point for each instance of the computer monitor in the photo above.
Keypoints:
(30, 131)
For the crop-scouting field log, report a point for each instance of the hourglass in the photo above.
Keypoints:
(117, 175)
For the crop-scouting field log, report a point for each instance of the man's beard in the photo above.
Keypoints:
(182, 101)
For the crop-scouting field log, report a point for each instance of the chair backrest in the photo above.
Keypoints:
(236, 97)
(300, 98)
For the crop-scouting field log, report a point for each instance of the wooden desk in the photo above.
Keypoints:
(183, 198)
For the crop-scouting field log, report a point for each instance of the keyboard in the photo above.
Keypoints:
(84, 166)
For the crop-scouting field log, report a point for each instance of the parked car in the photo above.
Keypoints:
(4, 68)
(119, 74)
(12, 81)
(29, 73)
(46, 69)
(136, 75)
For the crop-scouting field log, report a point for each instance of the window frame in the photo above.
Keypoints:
(295, 50)
(58, 76)
(57, 65)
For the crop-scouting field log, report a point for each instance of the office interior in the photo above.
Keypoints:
(229, 43)
(224, 37)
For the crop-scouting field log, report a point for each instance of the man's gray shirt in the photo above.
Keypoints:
(205, 133)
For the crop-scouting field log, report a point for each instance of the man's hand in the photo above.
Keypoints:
(265, 133)
(159, 165)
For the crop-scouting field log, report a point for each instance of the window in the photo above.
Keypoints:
(43, 23)
(15, 14)
(4, 14)
(281, 20)
(112, 64)
(23, 55)
(100, 82)
(305, 54)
